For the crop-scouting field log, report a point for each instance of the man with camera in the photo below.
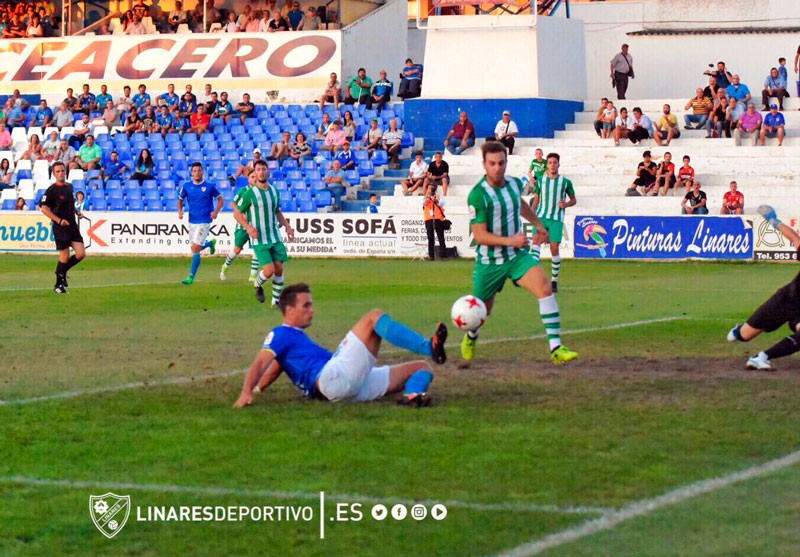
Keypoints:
(621, 70)
(433, 215)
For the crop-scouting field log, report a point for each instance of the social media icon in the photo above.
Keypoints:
(399, 512)
(419, 512)
(438, 512)
(379, 512)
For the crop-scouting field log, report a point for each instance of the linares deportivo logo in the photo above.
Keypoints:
(109, 512)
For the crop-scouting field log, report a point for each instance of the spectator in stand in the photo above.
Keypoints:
(43, 115)
(15, 118)
(188, 91)
(642, 126)
(86, 101)
(774, 125)
(232, 25)
(393, 143)
(598, 119)
(199, 121)
(126, 20)
(135, 27)
(461, 136)
(149, 120)
(701, 107)
(721, 75)
(247, 169)
(331, 93)
(65, 154)
(609, 120)
(287, 7)
(21, 205)
(224, 107)
(170, 99)
(734, 115)
(280, 150)
(212, 105)
(349, 126)
(325, 126)
(645, 175)
(416, 175)
(505, 131)
(72, 101)
(382, 91)
(14, 29)
(667, 127)
(35, 29)
(272, 6)
(686, 174)
(141, 100)
(5, 137)
(115, 170)
(334, 138)
(739, 91)
(300, 149)
(34, 152)
(749, 126)
(372, 208)
(5, 175)
(665, 177)
(82, 129)
(103, 98)
(694, 202)
(346, 157)
(336, 183)
(621, 70)
(125, 102)
(359, 89)
(51, 146)
(246, 109)
(433, 215)
(89, 155)
(295, 17)
(143, 169)
(133, 124)
(246, 14)
(710, 92)
(623, 126)
(186, 109)
(372, 139)
(732, 201)
(277, 23)
(774, 86)
(718, 118)
(438, 174)
(140, 9)
(263, 23)
(783, 71)
(311, 21)
(164, 122)
(410, 81)
(253, 23)
(177, 16)
(47, 22)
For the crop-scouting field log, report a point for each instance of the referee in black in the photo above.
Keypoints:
(58, 204)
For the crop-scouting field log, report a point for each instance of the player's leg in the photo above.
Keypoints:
(487, 281)
(61, 270)
(278, 280)
(555, 265)
(240, 238)
(784, 347)
(264, 255)
(198, 234)
(413, 378)
(377, 325)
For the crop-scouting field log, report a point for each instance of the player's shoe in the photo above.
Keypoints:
(223, 272)
(760, 362)
(733, 334)
(60, 289)
(274, 305)
(554, 286)
(260, 294)
(562, 355)
(64, 280)
(437, 344)
(416, 400)
(468, 347)
(187, 281)
(212, 249)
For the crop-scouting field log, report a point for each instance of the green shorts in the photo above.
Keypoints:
(488, 280)
(267, 253)
(555, 229)
(240, 238)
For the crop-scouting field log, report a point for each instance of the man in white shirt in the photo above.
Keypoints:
(416, 175)
(505, 131)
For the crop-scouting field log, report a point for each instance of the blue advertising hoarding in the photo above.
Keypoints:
(703, 237)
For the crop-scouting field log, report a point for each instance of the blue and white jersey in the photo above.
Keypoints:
(300, 357)
(170, 101)
(164, 121)
(201, 200)
(42, 115)
(139, 99)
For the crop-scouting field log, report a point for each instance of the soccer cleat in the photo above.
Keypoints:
(213, 247)
(260, 295)
(562, 355)
(760, 362)
(554, 286)
(468, 347)
(252, 279)
(733, 334)
(274, 305)
(223, 272)
(416, 400)
(187, 280)
(64, 280)
(60, 289)
(437, 344)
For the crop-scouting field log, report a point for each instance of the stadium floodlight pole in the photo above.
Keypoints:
(205, 7)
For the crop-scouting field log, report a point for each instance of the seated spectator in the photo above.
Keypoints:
(642, 126)
(35, 151)
(410, 81)
(735, 112)
(65, 154)
(72, 101)
(416, 175)
(170, 99)
(349, 126)
(277, 23)
(609, 120)
(694, 202)
(598, 119)
(739, 91)
(372, 139)
(438, 173)
(346, 157)
(186, 109)
(177, 16)
(51, 146)
(667, 127)
(141, 100)
(231, 26)
(199, 121)
(133, 124)
(749, 126)
(143, 169)
(87, 101)
(295, 17)
(773, 126)
(246, 109)
(372, 208)
(5, 174)
(14, 29)
(718, 121)
(15, 118)
(300, 149)
(325, 126)
(686, 174)
(82, 129)
(115, 169)
(701, 107)
(111, 116)
(393, 143)
(224, 107)
(645, 175)
(263, 23)
(80, 201)
(149, 120)
(247, 169)
(35, 29)
(732, 201)
(505, 131)
(43, 115)
(280, 151)
(332, 93)
(623, 126)
(665, 176)
(125, 102)
(336, 183)
(135, 27)
(359, 89)
(461, 136)
(334, 138)
(253, 23)
(721, 75)
(536, 170)
(243, 17)
(774, 86)
(89, 155)
(710, 91)
(21, 204)
(311, 21)
(382, 91)
(164, 122)
(5, 137)
(101, 100)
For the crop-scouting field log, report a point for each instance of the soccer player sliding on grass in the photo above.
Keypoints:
(350, 373)
(782, 307)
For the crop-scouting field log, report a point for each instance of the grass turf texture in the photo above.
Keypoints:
(646, 409)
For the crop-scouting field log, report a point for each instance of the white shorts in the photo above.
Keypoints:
(351, 373)
(198, 233)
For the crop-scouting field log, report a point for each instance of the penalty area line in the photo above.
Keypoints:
(82, 287)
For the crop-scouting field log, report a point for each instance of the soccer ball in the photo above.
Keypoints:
(468, 313)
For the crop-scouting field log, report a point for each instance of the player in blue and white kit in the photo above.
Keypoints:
(350, 373)
(201, 195)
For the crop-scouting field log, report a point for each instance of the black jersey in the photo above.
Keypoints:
(60, 200)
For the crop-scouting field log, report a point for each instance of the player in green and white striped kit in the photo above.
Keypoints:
(259, 212)
(553, 194)
(496, 207)
(240, 238)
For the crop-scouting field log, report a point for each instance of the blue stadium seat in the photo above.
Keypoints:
(298, 186)
(135, 204)
(132, 185)
(361, 156)
(169, 191)
(286, 196)
(306, 207)
(24, 175)
(353, 177)
(288, 206)
(292, 175)
(323, 198)
(78, 185)
(312, 109)
(8, 204)
(313, 175)
(222, 185)
(365, 168)
(113, 185)
(241, 182)
(95, 184)
(149, 185)
(98, 204)
(116, 204)
(316, 185)
(114, 194)
(154, 206)
(152, 197)
(408, 139)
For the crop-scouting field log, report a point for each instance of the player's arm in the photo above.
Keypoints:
(255, 376)
(46, 211)
(541, 236)
(284, 222)
(535, 202)
(771, 217)
(220, 203)
(571, 200)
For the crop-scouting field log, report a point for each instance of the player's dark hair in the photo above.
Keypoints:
(58, 163)
(492, 147)
(554, 156)
(687, 158)
(288, 297)
(196, 163)
(260, 162)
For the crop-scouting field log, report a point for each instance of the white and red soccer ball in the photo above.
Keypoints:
(468, 313)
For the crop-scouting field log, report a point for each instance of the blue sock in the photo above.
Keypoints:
(195, 264)
(400, 335)
(207, 244)
(418, 382)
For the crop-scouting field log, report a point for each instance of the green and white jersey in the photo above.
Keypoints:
(236, 199)
(261, 208)
(551, 191)
(538, 168)
(499, 209)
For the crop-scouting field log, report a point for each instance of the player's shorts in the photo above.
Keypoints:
(65, 235)
(488, 280)
(267, 253)
(198, 233)
(351, 373)
(782, 307)
(555, 229)
(240, 238)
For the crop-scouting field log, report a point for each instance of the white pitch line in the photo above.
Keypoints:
(82, 287)
(301, 495)
(646, 506)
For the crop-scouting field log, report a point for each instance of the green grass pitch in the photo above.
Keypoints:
(518, 449)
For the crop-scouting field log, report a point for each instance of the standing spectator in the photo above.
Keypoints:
(505, 131)
(665, 177)
(359, 89)
(749, 125)
(277, 23)
(43, 115)
(372, 139)
(393, 143)
(667, 127)
(782, 70)
(609, 120)
(336, 183)
(346, 157)
(246, 109)
(231, 26)
(694, 202)
(382, 91)
(331, 93)
(295, 17)
(623, 126)
(774, 125)
(774, 86)
(598, 119)
(739, 91)
(311, 21)
(438, 173)
(686, 174)
(410, 81)
(140, 9)
(177, 16)
(143, 169)
(416, 175)
(621, 70)
(461, 136)
(732, 201)
(642, 126)
(710, 92)
(433, 214)
(645, 175)
(701, 107)
(721, 75)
